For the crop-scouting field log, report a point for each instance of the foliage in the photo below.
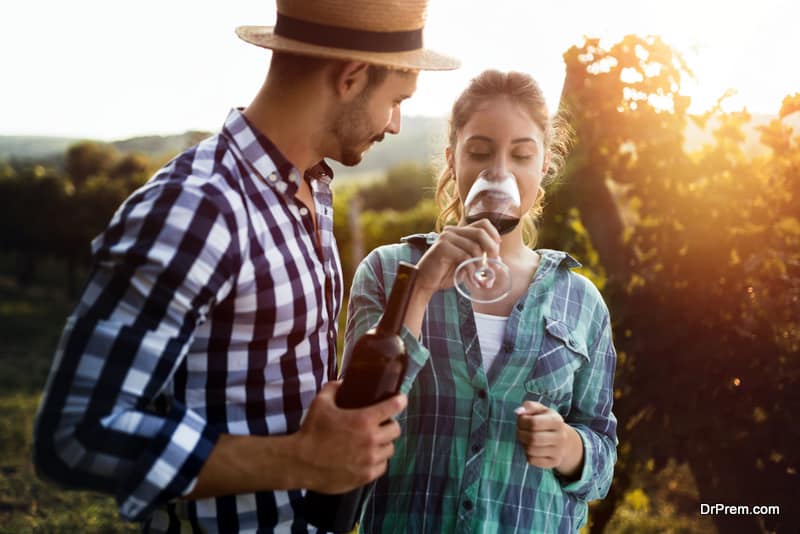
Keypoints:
(382, 211)
(390, 226)
(703, 265)
(48, 214)
(696, 252)
(402, 188)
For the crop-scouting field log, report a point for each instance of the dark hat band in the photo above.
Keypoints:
(338, 37)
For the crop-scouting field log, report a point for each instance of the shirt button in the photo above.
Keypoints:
(273, 177)
(468, 505)
(331, 334)
(520, 306)
(303, 211)
(482, 393)
(476, 447)
(507, 347)
(293, 176)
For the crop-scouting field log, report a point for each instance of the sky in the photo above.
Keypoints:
(110, 70)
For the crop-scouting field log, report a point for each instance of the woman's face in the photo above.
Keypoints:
(502, 137)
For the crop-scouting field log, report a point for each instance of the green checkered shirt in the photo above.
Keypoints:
(458, 466)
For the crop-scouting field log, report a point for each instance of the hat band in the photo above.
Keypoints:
(338, 37)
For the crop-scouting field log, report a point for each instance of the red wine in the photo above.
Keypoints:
(374, 373)
(503, 223)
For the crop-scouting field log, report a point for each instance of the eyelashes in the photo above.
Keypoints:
(481, 156)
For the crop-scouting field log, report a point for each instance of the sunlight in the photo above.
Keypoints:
(744, 47)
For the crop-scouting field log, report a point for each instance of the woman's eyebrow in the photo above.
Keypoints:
(524, 140)
(480, 138)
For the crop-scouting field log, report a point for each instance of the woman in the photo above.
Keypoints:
(509, 424)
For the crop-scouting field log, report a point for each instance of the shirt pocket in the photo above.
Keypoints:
(561, 355)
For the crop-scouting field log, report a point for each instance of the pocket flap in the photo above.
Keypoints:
(560, 331)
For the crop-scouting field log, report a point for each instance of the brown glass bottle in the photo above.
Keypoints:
(374, 373)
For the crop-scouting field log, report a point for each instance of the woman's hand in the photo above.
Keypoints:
(454, 245)
(437, 266)
(549, 442)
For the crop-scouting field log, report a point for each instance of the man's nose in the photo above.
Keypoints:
(394, 123)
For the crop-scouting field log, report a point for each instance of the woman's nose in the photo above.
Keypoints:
(499, 169)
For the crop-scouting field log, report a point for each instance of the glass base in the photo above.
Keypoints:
(483, 280)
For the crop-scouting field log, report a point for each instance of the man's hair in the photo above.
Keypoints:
(289, 67)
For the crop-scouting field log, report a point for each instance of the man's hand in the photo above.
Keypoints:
(341, 449)
(549, 442)
(334, 451)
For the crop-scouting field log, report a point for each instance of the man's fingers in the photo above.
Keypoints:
(388, 431)
(387, 409)
(329, 390)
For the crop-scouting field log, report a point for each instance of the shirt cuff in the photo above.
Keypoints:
(168, 468)
(581, 486)
(418, 355)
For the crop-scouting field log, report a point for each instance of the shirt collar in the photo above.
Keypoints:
(266, 159)
(550, 260)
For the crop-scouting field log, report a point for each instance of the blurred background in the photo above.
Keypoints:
(681, 198)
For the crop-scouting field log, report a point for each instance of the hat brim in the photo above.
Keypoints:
(422, 59)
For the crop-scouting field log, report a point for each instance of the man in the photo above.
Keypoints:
(190, 381)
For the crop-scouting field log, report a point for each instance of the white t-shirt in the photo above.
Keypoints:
(490, 335)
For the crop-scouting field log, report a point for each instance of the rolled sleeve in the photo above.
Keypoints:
(418, 355)
(597, 471)
(369, 292)
(159, 268)
(169, 467)
(592, 418)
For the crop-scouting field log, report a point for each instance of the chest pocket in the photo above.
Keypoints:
(561, 355)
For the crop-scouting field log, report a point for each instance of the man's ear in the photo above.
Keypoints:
(351, 79)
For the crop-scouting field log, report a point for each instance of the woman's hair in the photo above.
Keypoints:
(523, 90)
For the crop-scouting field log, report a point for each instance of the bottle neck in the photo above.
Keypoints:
(394, 315)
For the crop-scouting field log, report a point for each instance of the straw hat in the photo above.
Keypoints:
(381, 32)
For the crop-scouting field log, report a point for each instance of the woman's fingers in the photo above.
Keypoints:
(475, 239)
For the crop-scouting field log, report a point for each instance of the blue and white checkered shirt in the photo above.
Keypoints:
(211, 308)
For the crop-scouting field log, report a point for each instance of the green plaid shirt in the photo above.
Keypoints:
(458, 466)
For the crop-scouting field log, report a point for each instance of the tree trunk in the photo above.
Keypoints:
(602, 220)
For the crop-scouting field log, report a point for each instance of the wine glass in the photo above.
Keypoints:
(494, 197)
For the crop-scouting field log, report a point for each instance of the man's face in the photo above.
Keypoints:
(373, 114)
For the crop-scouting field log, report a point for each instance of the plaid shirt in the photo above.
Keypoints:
(458, 466)
(210, 309)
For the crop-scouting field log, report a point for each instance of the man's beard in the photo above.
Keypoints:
(351, 127)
